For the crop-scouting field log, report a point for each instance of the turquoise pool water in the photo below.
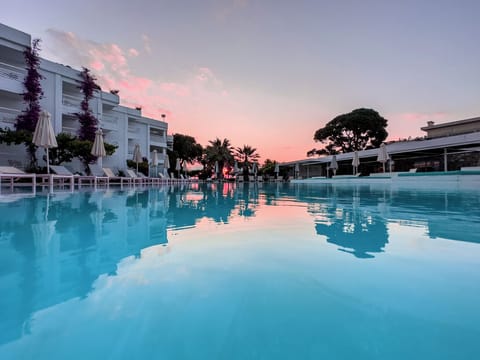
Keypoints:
(217, 272)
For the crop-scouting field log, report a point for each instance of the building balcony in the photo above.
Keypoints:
(109, 122)
(8, 117)
(133, 132)
(11, 78)
(71, 104)
(157, 140)
(109, 99)
(170, 142)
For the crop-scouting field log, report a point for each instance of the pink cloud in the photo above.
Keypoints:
(196, 103)
(97, 65)
(177, 89)
(133, 52)
(146, 43)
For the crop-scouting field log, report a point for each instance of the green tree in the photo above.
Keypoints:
(70, 147)
(358, 130)
(221, 151)
(268, 167)
(245, 156)
(27, 120)
(186, 149)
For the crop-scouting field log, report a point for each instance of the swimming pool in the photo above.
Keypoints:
(274, 271)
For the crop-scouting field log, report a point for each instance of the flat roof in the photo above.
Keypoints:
(400, 147)
(451, 123)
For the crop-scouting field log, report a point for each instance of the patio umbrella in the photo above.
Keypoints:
(166, 165)
(297, 169)
(44, 135)
(216, 169)
(178, 166)
(235, 168)
(333, 164)
(155, 162)
(254, 168)
(382, 155)
(355, 162)
(137, 155)
(98, 148)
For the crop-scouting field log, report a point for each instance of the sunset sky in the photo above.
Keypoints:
(268, 73)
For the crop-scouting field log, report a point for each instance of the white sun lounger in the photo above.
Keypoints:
(12, 174)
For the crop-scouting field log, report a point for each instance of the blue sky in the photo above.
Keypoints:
(269, 73)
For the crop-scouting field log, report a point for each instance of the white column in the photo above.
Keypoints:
(445, 160)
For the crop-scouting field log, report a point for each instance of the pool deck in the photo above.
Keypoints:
(462, 178)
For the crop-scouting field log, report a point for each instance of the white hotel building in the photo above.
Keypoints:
(122, 126)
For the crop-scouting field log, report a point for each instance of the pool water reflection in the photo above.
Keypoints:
(217, 271)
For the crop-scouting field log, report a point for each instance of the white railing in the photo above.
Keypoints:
(12, 72)
(133, 129)
(158, 139)
(8, 116)
(110, 119)
(69, 130)
(71, 101)
(109, 122)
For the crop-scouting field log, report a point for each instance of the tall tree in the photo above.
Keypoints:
(358, 130)
(221, 151)
(186, 149)
(32, 95)
(88, 122)
(245, 156)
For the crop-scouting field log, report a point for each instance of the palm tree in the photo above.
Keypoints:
(245, 155)
(220, 151)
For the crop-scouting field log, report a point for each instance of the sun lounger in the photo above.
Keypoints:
(112, 177)
(62, 171)
(99, 174)
(13, 174)
(136, 179)
(163, 178)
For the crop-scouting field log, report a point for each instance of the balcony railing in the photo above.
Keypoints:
(70, 130)
(109, 122)
(12, 72)
(8, 117)
(11, 78)
(158, 139)
(71, 103)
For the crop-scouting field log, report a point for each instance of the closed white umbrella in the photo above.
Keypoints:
(178, 167)
(235, 168)
(382, 155)
(297, 169)
(155, 162)
(137, 155)
(166, 165)
(333, 164)
(44, 136)
(355, 162)
(254, 168)
(98, 148)
(276, 170)
(216, 169)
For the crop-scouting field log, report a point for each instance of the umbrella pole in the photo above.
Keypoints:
(48, 161)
